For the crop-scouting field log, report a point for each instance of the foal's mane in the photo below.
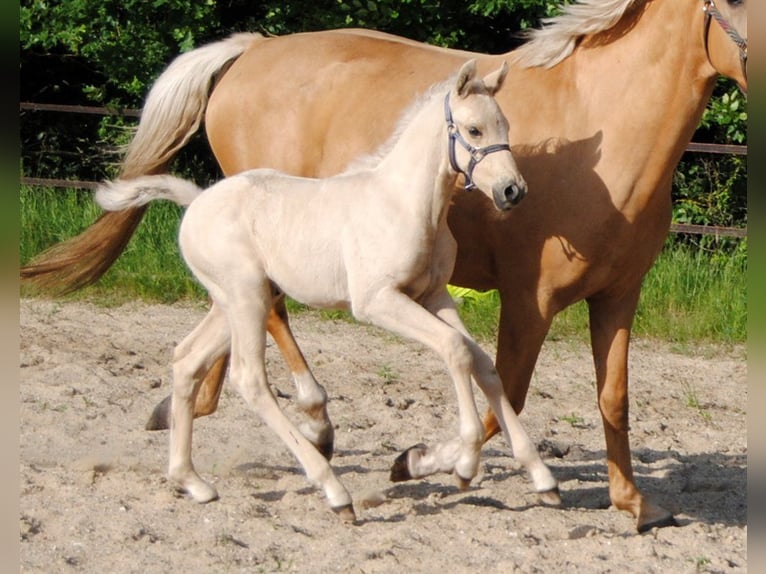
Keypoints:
(559, 35)
(371, 160)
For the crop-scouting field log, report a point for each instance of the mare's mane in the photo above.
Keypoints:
(546, 47)
(559, 36)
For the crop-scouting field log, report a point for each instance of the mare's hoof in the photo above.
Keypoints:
(653, 516)
(160, 417)
(550, 497)
(345, 512)
(400, 470)
(659, 522)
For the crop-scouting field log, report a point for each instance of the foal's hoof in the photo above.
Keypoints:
(200, 492)
(462, 483)
(400, 470)
(160, 417)
(326, 449)
(322, 436)
(550, 497)
(345, 512)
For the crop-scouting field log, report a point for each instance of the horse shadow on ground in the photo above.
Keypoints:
(705, 487)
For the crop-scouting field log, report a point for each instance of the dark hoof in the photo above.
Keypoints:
(400, 470)
(653, 516)
(345, 512)
(661, 522)
(326, 450)
(160, 418)
(550, 497)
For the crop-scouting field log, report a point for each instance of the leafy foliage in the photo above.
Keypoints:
(710, 189)
(107, 53)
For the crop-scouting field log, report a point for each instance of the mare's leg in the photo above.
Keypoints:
(520, 336)
(610, 324)
(210, 390)
(487, 379)
(207, 397)
(312, 398)
(192, 358)
(399, 314)
(247, 310)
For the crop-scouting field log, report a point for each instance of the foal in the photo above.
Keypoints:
(374, 241)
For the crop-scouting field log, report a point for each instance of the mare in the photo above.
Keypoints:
(602, 101)
(373, 240)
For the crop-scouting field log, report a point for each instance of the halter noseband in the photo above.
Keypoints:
(477, 153)
(712, 12)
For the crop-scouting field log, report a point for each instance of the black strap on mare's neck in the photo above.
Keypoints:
(711, 12)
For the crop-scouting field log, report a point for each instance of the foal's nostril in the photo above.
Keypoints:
(515, 193)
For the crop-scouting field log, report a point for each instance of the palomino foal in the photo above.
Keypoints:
(374, 241)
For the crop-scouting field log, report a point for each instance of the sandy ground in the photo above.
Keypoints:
(94, 497)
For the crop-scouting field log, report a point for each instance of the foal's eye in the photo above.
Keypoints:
(474, 132)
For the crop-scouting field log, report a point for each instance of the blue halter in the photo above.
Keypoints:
(477, 153)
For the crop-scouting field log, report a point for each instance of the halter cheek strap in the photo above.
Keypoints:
(477, 153)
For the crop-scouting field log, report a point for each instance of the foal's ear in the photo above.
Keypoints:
(494, 81)
(464, 77)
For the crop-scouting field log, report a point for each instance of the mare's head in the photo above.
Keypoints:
(478, 133)
(725, 37)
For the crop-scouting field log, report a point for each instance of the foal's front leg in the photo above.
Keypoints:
(420, 460)
(399, 314)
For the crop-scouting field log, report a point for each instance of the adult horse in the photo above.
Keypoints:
(601, 102)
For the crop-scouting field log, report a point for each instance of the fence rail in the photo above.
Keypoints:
(694, 147)
(708, 230)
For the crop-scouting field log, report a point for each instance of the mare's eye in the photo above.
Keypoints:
(474, 131)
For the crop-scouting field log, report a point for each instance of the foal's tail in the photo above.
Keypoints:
(137, 192)
(172, 114)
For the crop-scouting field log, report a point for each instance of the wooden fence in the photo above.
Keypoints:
(694, 147)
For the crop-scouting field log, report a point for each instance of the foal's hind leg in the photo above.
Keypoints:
(247, 310)
(193, 357)
(311, 396)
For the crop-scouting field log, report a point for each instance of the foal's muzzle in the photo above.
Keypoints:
(509, 195)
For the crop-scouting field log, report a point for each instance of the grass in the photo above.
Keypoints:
(388, 374)
(150, 268)
(574, 419)
(689, 296)
(693, 402)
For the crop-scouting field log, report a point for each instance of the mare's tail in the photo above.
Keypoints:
(137, 192)
(172, 114)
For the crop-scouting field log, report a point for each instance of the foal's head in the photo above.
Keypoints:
(479, 137)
